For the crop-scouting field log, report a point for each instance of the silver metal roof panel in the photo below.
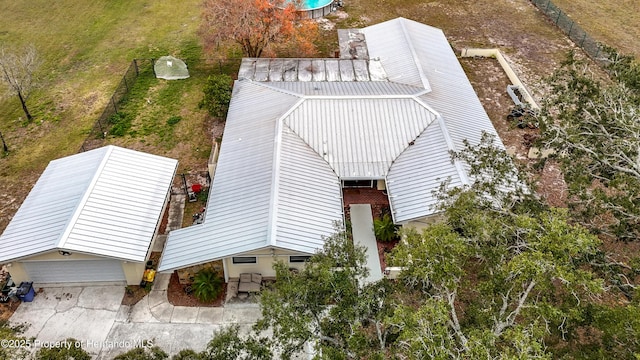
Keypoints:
(238, 215)
(359, 137)
(417, 173)
(309, 197)
(104, 202)
(393, 44)
(355, 88)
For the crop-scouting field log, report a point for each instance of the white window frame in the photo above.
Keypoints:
(306, 259)
(255, 260)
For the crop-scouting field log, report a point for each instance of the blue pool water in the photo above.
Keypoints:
(312, 4)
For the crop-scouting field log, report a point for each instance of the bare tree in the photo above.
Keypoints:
(5, 148)
(17, 71)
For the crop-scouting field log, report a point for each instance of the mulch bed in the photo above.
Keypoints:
(165, 220)
(383, 249)
(178, 297)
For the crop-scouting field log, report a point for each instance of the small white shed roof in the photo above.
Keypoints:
(105, 202)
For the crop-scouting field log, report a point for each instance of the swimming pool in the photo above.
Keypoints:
(318, 8)
(314, 4)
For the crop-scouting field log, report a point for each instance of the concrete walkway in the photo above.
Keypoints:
(362, 228)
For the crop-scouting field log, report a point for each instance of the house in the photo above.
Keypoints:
(386, 114)
(91, 218)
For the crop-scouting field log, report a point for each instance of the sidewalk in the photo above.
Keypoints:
(362, 228)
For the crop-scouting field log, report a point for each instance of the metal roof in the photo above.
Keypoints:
(462, 116)
(418, 172)
(296, 127)
(359, 137)
(394, 44)
(105, 202)
(309, 197)
(276, 70)
(355, 88)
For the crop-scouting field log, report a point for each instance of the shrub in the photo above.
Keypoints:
(217, 95)
(384, 229)
(71, 350)
(143, 353)
(173, 120)
(207, 285)
(121, 123)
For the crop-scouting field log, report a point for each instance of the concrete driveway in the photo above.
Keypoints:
(94, 316)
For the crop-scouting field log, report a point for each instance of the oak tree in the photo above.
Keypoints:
(594, 127)
(498, 274)
(327, 306)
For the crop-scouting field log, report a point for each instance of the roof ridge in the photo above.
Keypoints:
(416, 60)
(265, 84)
(275, 174)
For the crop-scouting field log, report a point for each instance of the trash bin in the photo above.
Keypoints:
(25, 292)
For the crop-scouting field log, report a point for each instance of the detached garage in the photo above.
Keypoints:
(91, 218)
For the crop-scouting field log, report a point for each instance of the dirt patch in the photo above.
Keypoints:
(490, 82)
(7, 309)
(179, 297)
(133, 294)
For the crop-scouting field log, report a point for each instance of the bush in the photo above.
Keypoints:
(207, 285)
(385, 229)
(217, 95)
(143, 353)
(173, 120)
(73, 352)
(121, 123)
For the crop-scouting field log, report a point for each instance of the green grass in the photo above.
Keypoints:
(85, 47)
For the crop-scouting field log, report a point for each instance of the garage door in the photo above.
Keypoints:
(74, 271)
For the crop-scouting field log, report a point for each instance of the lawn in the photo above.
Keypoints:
(615, 23)
(84, 59)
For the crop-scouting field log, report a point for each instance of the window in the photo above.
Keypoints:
(245, 260)
(357, 183)
(299, 259)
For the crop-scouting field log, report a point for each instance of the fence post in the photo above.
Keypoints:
(547, 9)
(135, 65)
(582, 42)
(570, 28)
(558, 18)
(100, 126)
(153, 67)
(124, 79)
(114, 104)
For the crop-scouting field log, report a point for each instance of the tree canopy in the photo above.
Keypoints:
(594, 126)
(256, 25)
